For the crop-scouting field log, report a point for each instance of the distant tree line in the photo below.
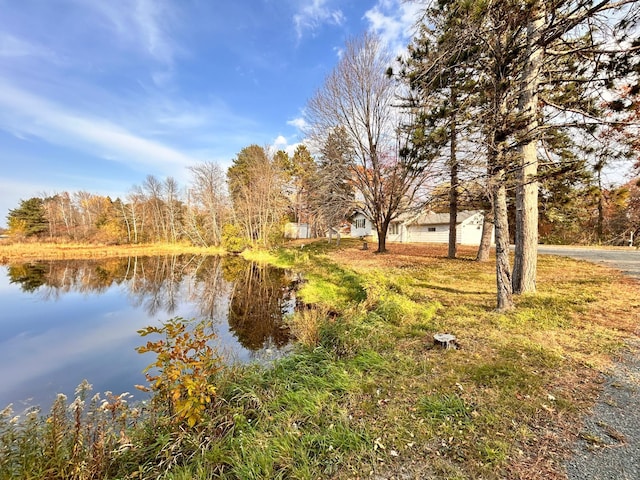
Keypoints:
(268, 191)
(156, 211)
(247, 205)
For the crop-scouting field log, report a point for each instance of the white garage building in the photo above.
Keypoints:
(427, 227)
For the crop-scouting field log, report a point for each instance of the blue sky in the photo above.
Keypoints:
(96, 95)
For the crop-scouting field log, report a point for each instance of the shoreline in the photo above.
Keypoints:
(18, 252)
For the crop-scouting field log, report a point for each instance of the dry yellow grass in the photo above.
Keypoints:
(19, 252)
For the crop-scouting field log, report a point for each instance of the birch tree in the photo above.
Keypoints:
(209, 197)
(256, 186)
(154, 193)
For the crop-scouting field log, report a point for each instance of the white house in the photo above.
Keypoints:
(426, 227)
(361, 225)
(297, 230)
(434, 228)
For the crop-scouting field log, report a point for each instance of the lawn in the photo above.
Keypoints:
(367, 395)
(509, 401)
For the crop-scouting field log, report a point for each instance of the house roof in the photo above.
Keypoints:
(431, 218)
(357, 212)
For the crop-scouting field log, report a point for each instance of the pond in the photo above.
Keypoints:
(65, 321)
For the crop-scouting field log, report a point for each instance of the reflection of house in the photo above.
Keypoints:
(426, 228)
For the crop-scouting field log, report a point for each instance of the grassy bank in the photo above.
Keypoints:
(12, 252)
(366, 395)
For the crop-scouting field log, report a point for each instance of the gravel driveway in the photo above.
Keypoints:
(609, 444)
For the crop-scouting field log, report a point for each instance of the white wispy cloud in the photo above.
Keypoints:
(12, 46)
(209, 125)
(149, 17)
(30, 115)
(12, 192)
(300, 123)
(311, 16)
(394, 21)
(280, 142)
(143, 24)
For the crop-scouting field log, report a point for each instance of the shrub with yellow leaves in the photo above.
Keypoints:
(185, 366)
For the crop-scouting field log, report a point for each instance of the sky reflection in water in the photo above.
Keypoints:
(64, 321)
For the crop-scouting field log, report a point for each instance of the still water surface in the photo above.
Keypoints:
(64, 321)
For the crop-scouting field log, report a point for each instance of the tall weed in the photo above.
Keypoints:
(73, 441)
(305, 325)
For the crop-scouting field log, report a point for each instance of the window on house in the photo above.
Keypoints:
(360, 223)
(431, 229)
(393, 229)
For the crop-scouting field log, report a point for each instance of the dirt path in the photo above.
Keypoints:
(609, 443)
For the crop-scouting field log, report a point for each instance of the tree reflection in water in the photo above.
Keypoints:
(261, 297)
(252, 298)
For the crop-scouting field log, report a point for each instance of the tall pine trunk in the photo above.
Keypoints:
(485, 240)
(453, 188)
(526, 232)
(496, 164)
(600, 223)
(503, 267)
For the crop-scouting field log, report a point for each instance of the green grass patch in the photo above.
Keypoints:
(444, 407)
(333, 287)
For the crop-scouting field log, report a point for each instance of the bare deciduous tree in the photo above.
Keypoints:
(208, 202)
(358, 96)
(256, 185)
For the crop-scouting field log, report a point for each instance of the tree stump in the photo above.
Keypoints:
(445, 340)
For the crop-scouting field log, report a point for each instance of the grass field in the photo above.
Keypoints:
(11, 252)
(367, 395)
